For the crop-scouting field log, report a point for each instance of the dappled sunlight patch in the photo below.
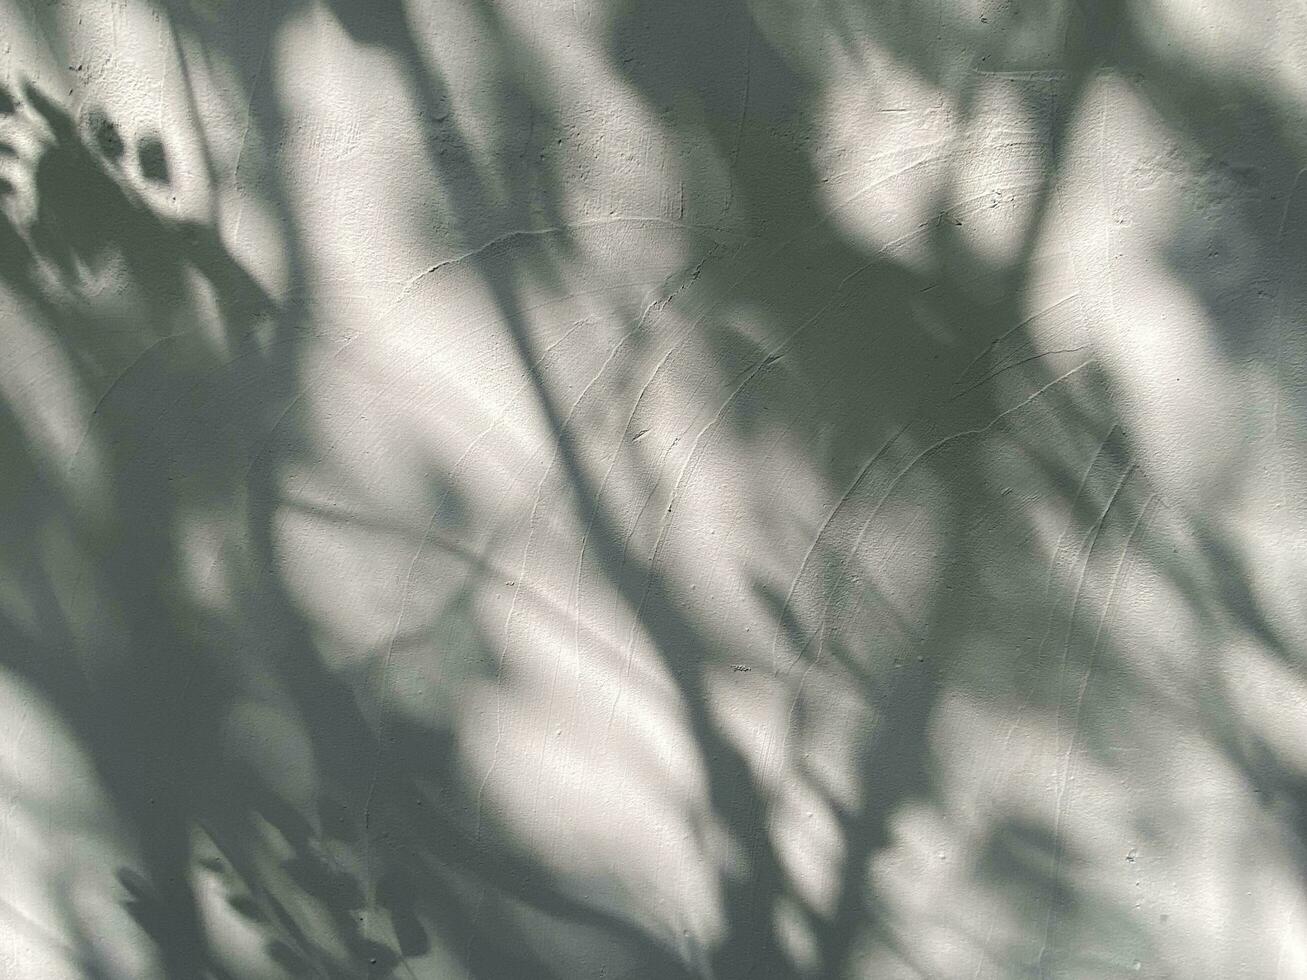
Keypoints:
(874, 188)
(1181, 400)
(995, 190)
(232, 921)
(920, 877)
(48, 774)
(796, 936)
(205, 542)
(805, 825)
(1184, 402)
(545, 763)
(256, 233)
(61, 837)
(1268, 696)
(1261, 33)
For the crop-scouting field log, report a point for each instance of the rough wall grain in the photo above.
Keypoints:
(665, 488)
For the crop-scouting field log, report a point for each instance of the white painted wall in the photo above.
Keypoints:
(653, 489)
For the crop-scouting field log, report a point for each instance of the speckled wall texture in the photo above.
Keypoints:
(725, 489)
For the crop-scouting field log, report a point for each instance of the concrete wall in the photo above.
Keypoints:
(653, 489)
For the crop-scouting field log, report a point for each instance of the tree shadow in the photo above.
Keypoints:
(350, 838)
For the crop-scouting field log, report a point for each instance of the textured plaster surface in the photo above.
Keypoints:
(653, 489)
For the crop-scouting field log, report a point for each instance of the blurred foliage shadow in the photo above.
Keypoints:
(391, 860)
